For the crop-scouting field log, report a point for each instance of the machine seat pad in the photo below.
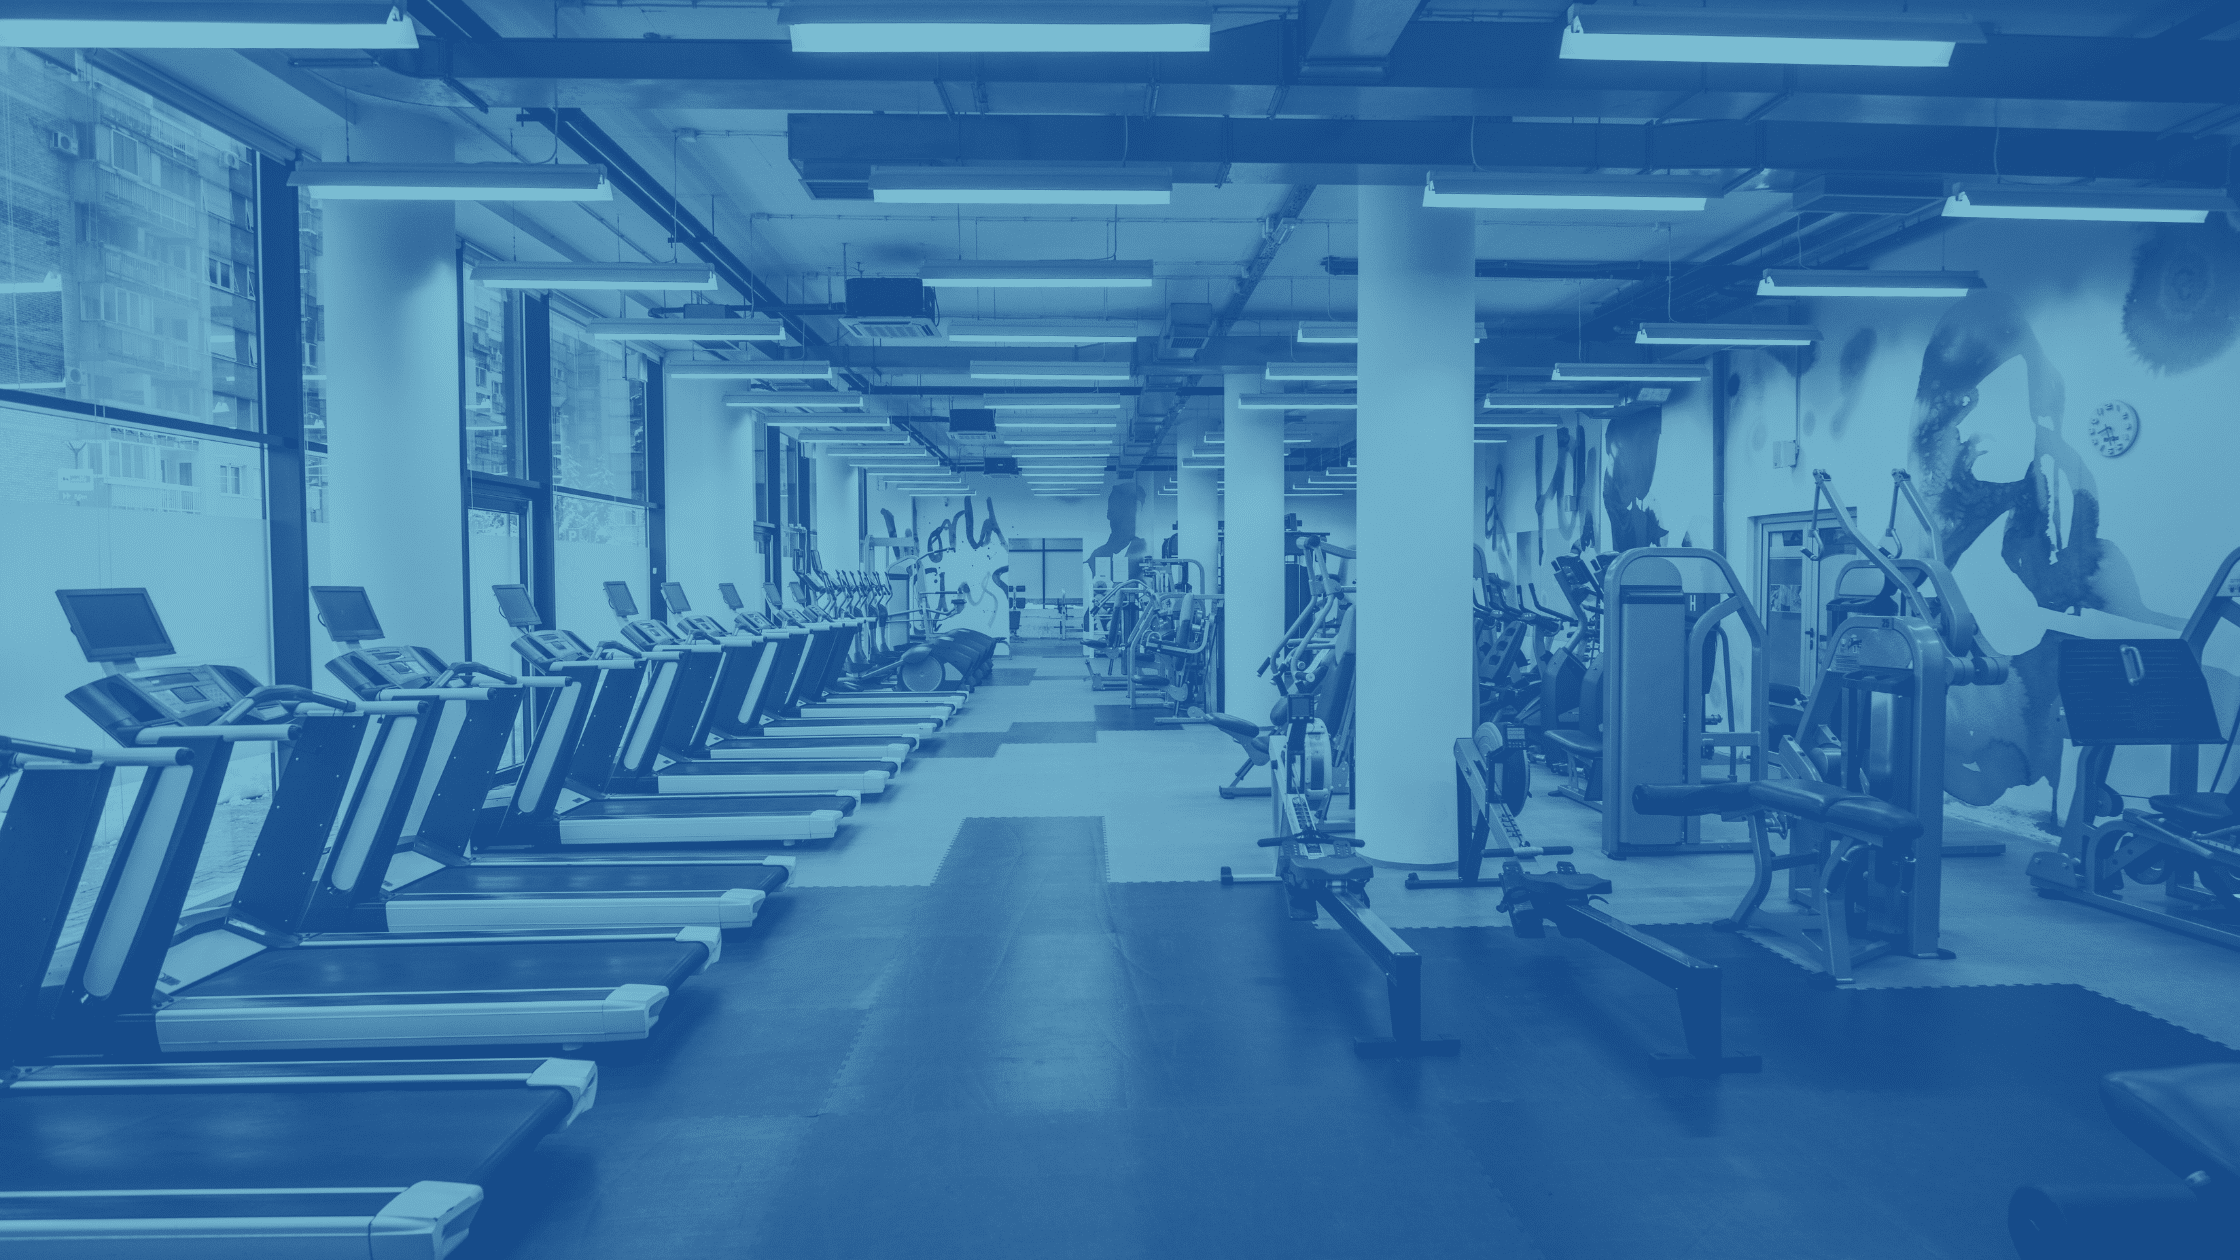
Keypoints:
(1578, 743)
(1244, 732)
(2188, 1118)
(1873, 816)
(2202, 810)
(1800, 798)
(1687, 799)
(1571, 886)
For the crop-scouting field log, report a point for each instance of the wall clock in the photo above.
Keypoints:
(2113, 428)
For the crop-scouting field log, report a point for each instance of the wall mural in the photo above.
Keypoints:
(969, 566)
(1631, 445)
(2184, 306)
(1120, 509)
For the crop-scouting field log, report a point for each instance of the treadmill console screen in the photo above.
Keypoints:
(621, 600)
(730, 593)
(542, 648)
(115, 624)
(346, 613)
(515, 605)
(672, 594)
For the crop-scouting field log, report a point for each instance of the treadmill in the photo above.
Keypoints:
(689, 675)
(800, 652)
(242, 981)
(203, 1161)
(821, 688)
(578, 794)
(428, 877)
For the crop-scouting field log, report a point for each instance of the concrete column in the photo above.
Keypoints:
(1198, 504)
(389, 278)
(838, 540)
(710, 487)
(1252, 517)
(1414, 519)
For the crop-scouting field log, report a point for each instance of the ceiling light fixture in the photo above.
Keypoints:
(1726, 335)
(1482, 191)
(606, 276)
(1683, 373)
(448, 181)
(1608, 33)
(1055, 370)
(1313, 333)
(1313, 372)
(193, 24)
(2137, 205)
(1058, 441)
(803, 400)
(1054, 426)
(1889, 284)
(997, 28)
(1037, 274)
(1039, 186)
(1550, 402)
(687, 330)
(1298, 402)
(988, 332)
(767, 370)
(1049, 402)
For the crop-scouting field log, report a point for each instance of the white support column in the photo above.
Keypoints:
(1198, 504)
(389, 277)
(1414, 519)
(710, 493)
(838, 539)
(1252, 522)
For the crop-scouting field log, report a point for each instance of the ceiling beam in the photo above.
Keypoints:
(1436, 69)
(1539, 269)
(833, 149)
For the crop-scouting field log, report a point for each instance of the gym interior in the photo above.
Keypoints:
(817, 628)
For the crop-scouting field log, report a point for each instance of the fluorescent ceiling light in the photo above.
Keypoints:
(1688, 373)
(1058, 441)
(518, 275)
(802, 400)
(1489, 441)
(782, 423)
(687, 330)
(50, 283)
(1049, 402)
(988, 332)
(924, 494)
(1896, 284)
(1038, 274)
(1515, 424)
(193, 24)
(2141, 205)
(1313, 494)
(450, 181)
(1043, 186)
(767, 370)
(1298, 402)
(1056, 370)
(1323, 334)
(1069, 26)
(1608, 33)
(1726, 335)
(1054, 426)
(1314, 372)
(1556, 192)
(1550, 402)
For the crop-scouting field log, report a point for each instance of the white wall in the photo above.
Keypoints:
(710, 494)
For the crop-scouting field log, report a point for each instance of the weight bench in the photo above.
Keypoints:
(2188, 1119)
(1253, 740)
(1855, 824)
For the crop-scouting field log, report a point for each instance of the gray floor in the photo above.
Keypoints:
(1163, 822)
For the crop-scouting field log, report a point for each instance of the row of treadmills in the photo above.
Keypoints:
(169, 1079)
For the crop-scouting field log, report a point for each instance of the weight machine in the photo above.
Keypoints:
(2119, 692)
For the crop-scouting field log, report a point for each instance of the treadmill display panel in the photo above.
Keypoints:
(115, 624)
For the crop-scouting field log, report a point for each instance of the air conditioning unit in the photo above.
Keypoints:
(972, 420)
(887, 309)
(1189, 326)
(999, 466)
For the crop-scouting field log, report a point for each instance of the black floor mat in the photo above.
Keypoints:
(1010, 677)
(1142, 717)
(1045, 647)
(1023, 1062)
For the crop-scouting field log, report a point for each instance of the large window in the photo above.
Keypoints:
(595, 542)
(493, 414)
(598, 414)
(128, 256)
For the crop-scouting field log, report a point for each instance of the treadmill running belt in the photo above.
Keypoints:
(212, 1139)
(526, 964)
(706, 806)
(689, 769)
(587, 878)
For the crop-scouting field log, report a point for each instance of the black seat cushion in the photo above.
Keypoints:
(2195, 810)
(1799, 798)
(1240, 730)
(2188, 1118)
(1577, 743)
(1868, 815)
(1687, 799)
